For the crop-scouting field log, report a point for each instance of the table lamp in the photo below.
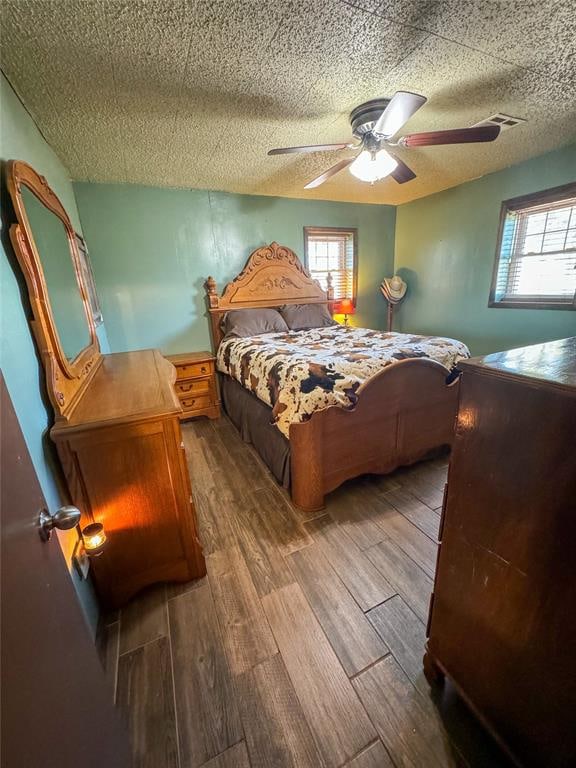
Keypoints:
(345, 307)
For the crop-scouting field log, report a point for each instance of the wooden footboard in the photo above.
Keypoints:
(402, 414)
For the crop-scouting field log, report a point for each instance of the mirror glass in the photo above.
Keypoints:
(65, 299)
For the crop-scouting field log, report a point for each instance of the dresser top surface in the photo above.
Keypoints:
(127, 386)
(553, 363)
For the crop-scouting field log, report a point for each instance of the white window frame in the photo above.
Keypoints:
(349, 233)
(512, 231)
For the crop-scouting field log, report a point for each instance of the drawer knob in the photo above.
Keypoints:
(203, 369)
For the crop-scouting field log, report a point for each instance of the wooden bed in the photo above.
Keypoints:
(403, 413)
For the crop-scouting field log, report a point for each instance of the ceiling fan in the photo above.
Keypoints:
(375, 123)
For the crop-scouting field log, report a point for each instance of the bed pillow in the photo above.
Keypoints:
(252, 322)
(300, 317)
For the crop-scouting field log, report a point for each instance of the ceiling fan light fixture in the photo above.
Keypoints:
(372, 166)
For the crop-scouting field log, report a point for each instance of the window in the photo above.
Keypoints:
(89, 282)
(536, 255)
(333, 250)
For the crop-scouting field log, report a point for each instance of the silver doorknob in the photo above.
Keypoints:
(64, 518)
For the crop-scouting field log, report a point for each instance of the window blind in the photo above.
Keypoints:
(332, 252)
(537, 259)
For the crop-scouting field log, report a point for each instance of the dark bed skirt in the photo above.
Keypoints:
(251, 417)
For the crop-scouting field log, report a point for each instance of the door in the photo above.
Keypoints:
(57, 710)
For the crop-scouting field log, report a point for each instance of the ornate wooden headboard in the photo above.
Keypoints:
(272, 276)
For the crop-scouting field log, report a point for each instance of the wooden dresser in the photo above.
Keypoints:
(123, 456)
(196, 386)
(117, 417)
(502, 623)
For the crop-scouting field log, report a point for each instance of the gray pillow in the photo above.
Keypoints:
(300, 317)
(252, 322)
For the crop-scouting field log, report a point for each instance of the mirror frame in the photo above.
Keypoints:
(65, 379)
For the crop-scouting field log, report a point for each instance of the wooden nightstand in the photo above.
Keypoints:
(196, 384)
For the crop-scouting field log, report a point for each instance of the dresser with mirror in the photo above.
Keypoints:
(116, 416)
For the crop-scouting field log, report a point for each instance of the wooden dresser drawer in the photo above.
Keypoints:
(193, 370)
(191, 387)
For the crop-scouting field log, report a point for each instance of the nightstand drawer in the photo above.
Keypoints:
(193, 370)
(196, 403)
(192, 387)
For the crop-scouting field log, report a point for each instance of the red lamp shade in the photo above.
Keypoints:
(344, 307)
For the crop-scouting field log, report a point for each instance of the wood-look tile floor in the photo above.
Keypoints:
(303, 645)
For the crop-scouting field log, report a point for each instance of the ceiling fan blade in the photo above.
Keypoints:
(456, 136)
(400, 109)
(402, 173)
(329, 173)
(310, 148)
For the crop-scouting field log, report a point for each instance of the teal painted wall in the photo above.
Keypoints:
(445, 247)
(21, 140)
(153, 248)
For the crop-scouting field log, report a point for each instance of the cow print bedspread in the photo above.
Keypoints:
(300, 372)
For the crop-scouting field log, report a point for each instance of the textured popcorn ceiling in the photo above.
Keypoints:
(192, 94)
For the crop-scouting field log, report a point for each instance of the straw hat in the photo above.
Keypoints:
(393, 288)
